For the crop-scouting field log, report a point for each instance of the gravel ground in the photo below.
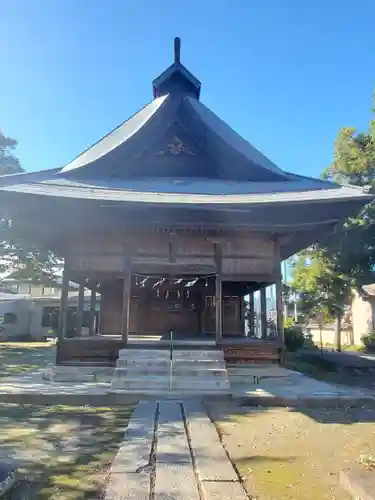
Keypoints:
(287, 454)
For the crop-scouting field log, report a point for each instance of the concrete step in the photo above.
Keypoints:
(176, 372)
(174, 394)
(184, 384)
(199, 363)
(193, 371)
(162, 383)
(144, 353)
(139, 371)
(183, 354)
(177, 363)
(154, 363)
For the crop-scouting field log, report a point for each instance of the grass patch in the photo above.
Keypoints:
(20, 357)
(64, 451)
(325, 370)
(292, 454)
(354, 348)
(368, 461)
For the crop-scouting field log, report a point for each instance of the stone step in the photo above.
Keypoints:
(201, 364)
(193, 371)
(156, 363)
(160, 378)
(160, 364)
(198, 355)
(174, 394)
(144, 353)
(163, 385)
(176, 372)
(178, 353)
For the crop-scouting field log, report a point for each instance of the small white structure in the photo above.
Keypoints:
(16, 312)
(24, 317)
(46, 313)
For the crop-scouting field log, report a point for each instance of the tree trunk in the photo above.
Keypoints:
(338, 331)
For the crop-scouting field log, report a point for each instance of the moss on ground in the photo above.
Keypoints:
(20, 357)
(295, 454)
(64, 451)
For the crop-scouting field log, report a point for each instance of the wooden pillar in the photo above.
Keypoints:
(126, 298)
(63, 317)
(280, 315)
(80, 308)
(219, 306)
(218, 294)
(199, 309)
(241, 316)
(251, 319)
(263, 313)
(92, 310)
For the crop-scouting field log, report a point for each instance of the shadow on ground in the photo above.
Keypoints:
(64, 452)
(17, 358)
(294, 453)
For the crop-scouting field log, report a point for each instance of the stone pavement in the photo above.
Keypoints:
(278, 386)
(172, 451)
(254, 385)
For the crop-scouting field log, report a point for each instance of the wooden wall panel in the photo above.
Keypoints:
(172, 269)
(252, 353)
(248, 247)
(247, 267)
(151, 244)
(193, 246)
(110, 311)
(101, 244)
(205, 262)
(99, 262)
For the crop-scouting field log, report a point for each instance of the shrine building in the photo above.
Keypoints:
(174, 220)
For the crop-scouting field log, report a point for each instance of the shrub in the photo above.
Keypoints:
(289, 322)
(294, 338)
(369, 341)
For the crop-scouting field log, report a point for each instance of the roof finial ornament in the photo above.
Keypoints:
(177, 49)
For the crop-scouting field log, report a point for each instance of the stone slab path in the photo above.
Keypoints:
(290, 390)
(172, 451)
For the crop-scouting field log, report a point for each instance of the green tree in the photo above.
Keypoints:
(322, 290)
(352, 246)
(9, 164)
(16, 252)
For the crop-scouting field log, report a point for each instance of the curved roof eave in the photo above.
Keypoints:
(231, 138)
(118, 136)
(54, 186)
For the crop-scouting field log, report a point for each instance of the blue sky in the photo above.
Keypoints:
(286, 74)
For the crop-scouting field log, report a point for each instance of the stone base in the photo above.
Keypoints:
(78, 374)
(189, 372)
(248, 374)
(359, 482)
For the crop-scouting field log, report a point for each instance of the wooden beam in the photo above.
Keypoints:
(80, 308)
(218, 293)
(263, 313)
(62, 327)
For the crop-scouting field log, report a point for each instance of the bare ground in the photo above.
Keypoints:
(286, 454)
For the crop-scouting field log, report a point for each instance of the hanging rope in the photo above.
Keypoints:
(175, 281)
